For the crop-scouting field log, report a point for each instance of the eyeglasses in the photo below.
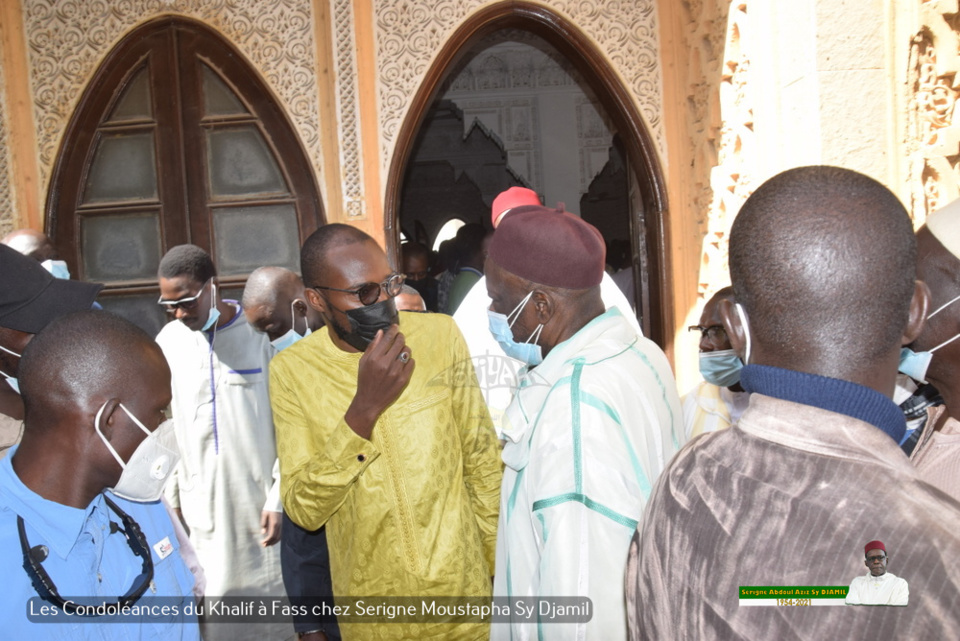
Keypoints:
(187, 303)
(711, 332)
(369, 293)
(871, 559)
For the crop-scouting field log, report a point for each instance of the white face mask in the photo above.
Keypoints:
(145, 474)
(291, 336)
(58, 268)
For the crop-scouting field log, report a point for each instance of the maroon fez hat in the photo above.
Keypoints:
(873, 545)
(549, 247)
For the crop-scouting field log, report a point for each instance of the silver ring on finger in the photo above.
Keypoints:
(403, 357)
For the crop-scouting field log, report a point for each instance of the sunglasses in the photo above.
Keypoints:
(187, 303)
(369, 293)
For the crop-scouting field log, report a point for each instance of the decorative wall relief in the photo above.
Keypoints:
(69, 38)
(731, 177)
(410, 33)
(8, 204)
(932, 140)
(348, 108)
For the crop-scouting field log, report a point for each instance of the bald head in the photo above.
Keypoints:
(823, 261)
(313, 254)
(32, 243)
(80, 360)
(267, 285)
(274, 302)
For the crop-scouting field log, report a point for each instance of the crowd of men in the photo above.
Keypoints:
(331, 437)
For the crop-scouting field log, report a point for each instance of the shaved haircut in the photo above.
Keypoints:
(825, 257)
(313, 254)
(187, 260)
(266, 284)
(413, 249)
(77, 356)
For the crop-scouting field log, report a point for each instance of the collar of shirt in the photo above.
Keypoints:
(237, 314)
(59, 526)
(831, 394)
(535, 383)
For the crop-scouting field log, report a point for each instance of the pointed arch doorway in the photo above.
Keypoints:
(176, 139)
(645, 190)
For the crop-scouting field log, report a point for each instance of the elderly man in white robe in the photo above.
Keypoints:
(595, 419)
(227, 485)
(497, 372)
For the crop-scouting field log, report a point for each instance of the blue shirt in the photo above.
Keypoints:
(85, 558)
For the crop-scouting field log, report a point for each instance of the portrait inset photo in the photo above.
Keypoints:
(877, 587)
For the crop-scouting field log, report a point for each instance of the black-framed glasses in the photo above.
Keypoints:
(872, 559)
(187, 303)
(47, 589)
(369, 293)
(710, 332)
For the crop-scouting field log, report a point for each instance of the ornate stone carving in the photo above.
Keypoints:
(721, 100)
(410, 33)
(345, 54)
(69, 38)
(516, 125)
(932, 139)
(8, 205)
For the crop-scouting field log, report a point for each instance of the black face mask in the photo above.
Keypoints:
(423, 286)
(366, 321)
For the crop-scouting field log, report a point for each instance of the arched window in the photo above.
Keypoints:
(448, 231)
(177, 140)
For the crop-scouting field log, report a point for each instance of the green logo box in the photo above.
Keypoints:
(793, 591)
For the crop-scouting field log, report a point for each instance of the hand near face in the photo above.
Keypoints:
(385, 370)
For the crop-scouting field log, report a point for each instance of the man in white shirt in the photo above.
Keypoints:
(498, 373)
(227, 484)
(595, 418)
(877, 587)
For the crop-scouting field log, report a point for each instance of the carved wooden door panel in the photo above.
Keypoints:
(177, 140)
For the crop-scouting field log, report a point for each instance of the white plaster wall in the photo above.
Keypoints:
(823, 82)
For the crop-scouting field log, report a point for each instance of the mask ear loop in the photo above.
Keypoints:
(12, 353)
(293, 315)
(515, 314)
(213, 305)
(942, 307)
(293, 318)
(944, 343)
(746, 332)
(135, 420)
(96, 426)
(535, 335)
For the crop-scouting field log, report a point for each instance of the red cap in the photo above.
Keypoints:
(507, 200)
(874, 545)
(549, 247)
